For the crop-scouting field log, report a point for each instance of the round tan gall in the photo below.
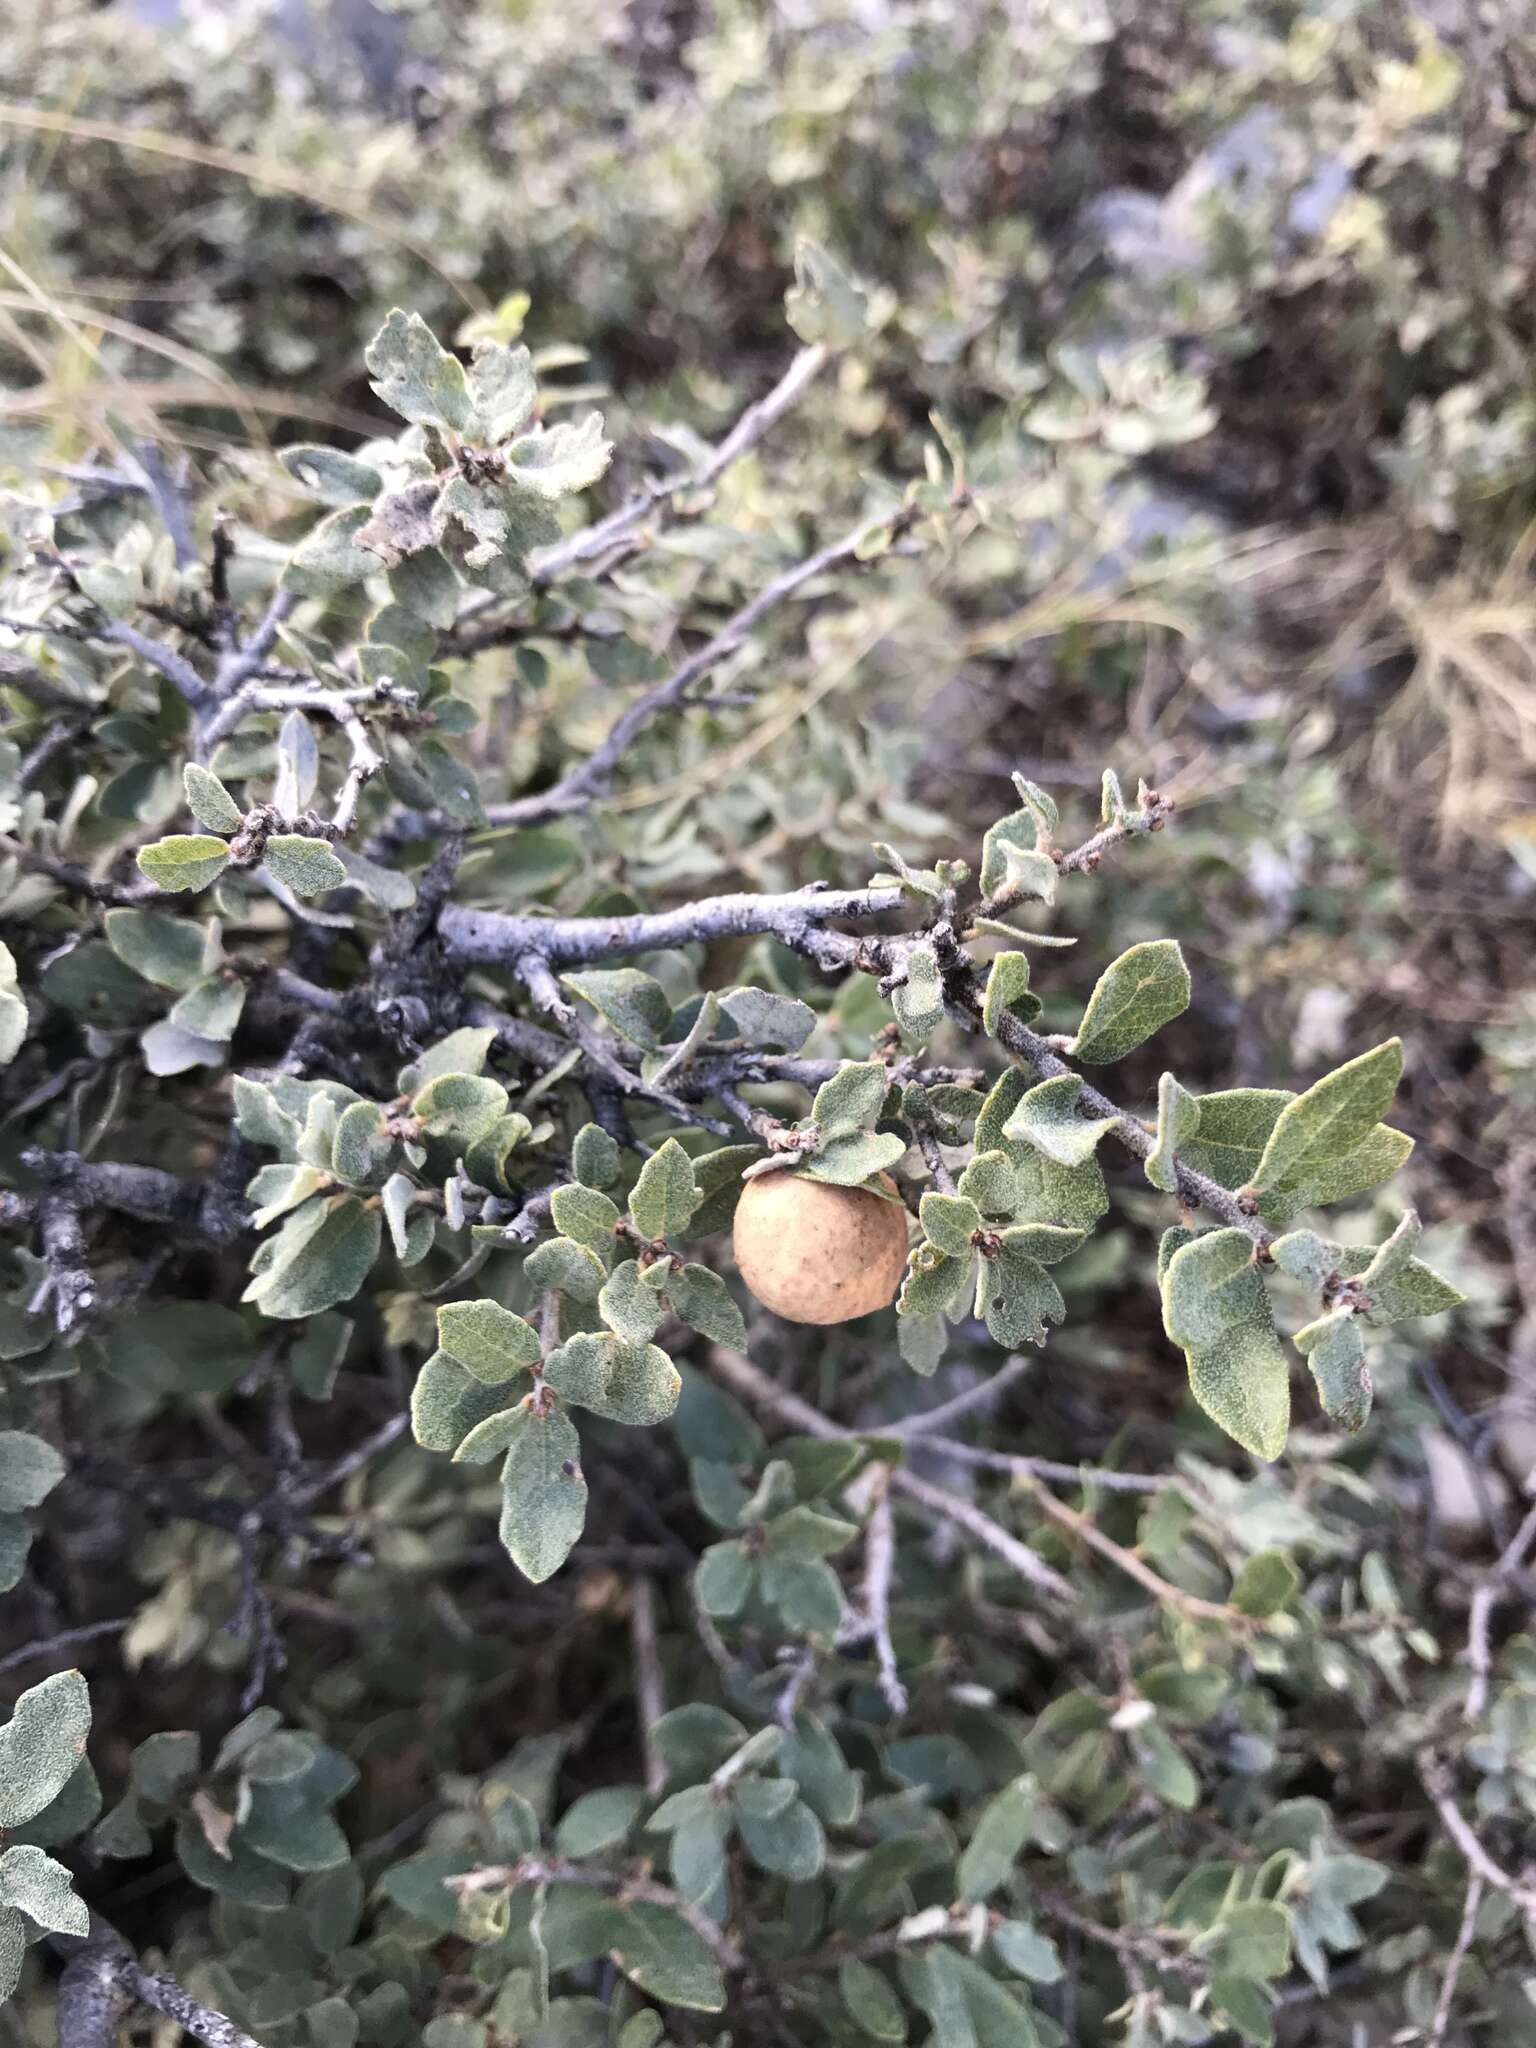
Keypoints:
(819, 1254)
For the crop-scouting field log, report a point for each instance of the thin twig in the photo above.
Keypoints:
(617, 529)
(985, 1394)
(619, 1884)
(1458, 1955)
(66, 1639)
(650, 1695)
(1436, 1780)
(1036, 1468)
(1490, 1590)
(588, 781)
(746, 1379)
(879, 1567)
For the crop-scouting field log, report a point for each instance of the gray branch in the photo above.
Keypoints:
(104, 1976)
(619, 529)
(493, 936)
(576, 790)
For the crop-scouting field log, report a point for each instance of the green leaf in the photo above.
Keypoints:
(306, 866)
(1216, 1310)
(773, 1022)
(1330, 1120)
(328, 559)
(415, 376)
(665, 1194)
(806, 1593)
(1409, 1290)
(852, 1099)
(871, 2003)
(13, 1012)
(180, 1347)
(168, 951)
(13, 1949)
(294, 1837)
(852, 1158)
(363, 1150)
(41, 1746)
(329, 475)
(1015, 1294)
(628, 1306)
(918, 998)
(1335, 1353)
(1008, 992)
(1251, 1939)
(240, 1875)
(1028, 1953)
(1246, 2005)
(325, 1265)
(789, 1843)
(209, 801)
(1164, 1769)
(1266, 1582)
(487, 1340)
(544, 1492)
(488, 1439)
(187, 860)
(828, 1785)
(34, 1883)
(501, 388)
(824, 304)
(553, 461)
(949, 1222)
(1005, 1825)
(1178, 1120)
(1135, 995)
(1306, 1257)
(933, 1281)
(723, 1578)
(566, 1266)
(448, 1403)
(633, 1383)
(662, 1954)
(599, 1820)
(1325, 1181)
(212, 1009)
(1012, 860)
(1234, 1128)
(585, 1215)
(461, 1107)
(594, 1157)
(635, 1004)
(29, 1470)
(1047, 1118)
(276, 1190)
(15, 1548)
(702, 1299)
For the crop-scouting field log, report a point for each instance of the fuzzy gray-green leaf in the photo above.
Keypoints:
(1135, 995)
(544, 1493)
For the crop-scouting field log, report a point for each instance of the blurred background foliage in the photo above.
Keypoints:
(1226, 314)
